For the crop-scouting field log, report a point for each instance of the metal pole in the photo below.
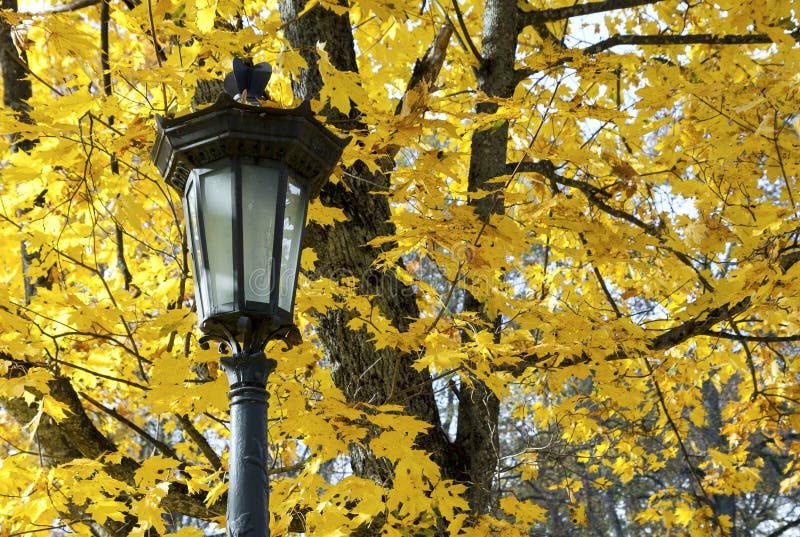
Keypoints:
(248, 491)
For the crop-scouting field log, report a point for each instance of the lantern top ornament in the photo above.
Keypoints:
(229, 128)
(248, 82)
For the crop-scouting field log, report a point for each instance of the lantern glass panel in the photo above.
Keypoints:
(193, 233)
(294, 218)
(259, 201)
(217, 215)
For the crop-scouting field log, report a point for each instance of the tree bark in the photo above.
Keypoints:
(478, 409)
(16, 88)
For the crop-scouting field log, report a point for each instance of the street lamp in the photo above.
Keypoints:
(246, 174)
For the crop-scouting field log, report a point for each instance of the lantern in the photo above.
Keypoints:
(246, 174)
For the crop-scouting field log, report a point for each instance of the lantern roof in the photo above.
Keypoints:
(229, 128)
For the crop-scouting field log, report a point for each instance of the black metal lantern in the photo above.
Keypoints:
(247, 174)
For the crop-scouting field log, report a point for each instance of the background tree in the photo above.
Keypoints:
(551, 289)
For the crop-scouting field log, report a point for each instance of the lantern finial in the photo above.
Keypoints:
(248, 82)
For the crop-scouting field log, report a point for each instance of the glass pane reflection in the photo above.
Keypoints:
(293, 221)
(217, 211)
(193, 234)
(259, 200)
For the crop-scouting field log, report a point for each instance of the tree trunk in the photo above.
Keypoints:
(16, 89)
(478, 409)
(723, 504)
(360, 371)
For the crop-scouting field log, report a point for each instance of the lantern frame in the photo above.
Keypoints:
(229, 136)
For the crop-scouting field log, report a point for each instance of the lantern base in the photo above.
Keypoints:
(243, 335)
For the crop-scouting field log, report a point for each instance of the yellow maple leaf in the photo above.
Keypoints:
(206, 14)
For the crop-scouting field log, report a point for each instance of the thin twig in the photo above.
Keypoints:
(14, 56)
(496, 198)
(163, 448)
(610, 298)
(63, 8)
(755, 339)
(104, 376)
(594, 195)
(467, 37)
(287, 469)
(122, 265)
(684, 451)
(696, 39)
(198, 438)
(780, 159)
(159, 51)
(748, 355)
(577, 10)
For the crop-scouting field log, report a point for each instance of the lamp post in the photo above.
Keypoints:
(246, 174)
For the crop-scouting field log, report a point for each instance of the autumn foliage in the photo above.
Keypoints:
(552, 288)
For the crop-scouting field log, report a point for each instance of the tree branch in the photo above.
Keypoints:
(699, 326)
(595, 196)
(102, 375)
(200, 440)
(693, 470)
(426, 70)
(77, 427)
(666, 340)
(288, 469)
(561, 13)
(76, 436)
(546, 169)
(757, 339)
(749, 355)
(467, 37)
(699, 39)
(163, 448)
(695, 327)
(63, 8)
(609, 297)
(786, 527)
